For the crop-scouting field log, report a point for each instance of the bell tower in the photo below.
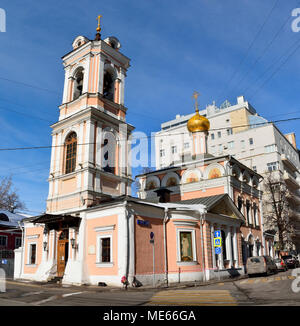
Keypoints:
(89, 158)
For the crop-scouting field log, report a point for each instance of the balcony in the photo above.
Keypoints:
(290, 180)
(287, 162)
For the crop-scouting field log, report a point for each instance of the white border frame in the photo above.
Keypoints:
(99, 263)
(193, 232)
(29, 244)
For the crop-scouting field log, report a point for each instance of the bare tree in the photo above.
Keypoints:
(278, 213)
(9, 199)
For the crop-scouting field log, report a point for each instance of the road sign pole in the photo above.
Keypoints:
(153, 265)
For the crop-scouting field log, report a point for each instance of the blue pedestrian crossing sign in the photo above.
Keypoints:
(218, 250)
(217, 234)
(217, 242)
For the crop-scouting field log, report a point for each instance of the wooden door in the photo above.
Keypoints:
(62, 256)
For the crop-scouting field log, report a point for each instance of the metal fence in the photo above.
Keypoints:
(7, 261)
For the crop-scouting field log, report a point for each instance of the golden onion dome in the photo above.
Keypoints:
(198, 123)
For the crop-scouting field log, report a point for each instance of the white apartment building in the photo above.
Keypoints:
(239, 131)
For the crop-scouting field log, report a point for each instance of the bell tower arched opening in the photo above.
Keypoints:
(78, 83)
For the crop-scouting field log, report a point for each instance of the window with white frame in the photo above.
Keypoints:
(270, 148)
(104, 249)
(219, 134)
(186, 145)
(212, 136)
(186, 245)
(255, 214)
(272, 166)
(174, 149)
(32, 254)
(231, 144)
(242, 144)
(162, 153)
(251, 142)
(3, 241)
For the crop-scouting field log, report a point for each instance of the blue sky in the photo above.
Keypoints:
(222, 49)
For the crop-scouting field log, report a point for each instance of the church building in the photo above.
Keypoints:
(94, 231)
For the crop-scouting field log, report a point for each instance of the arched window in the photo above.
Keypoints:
(109, 148)
(108, 86)
(78, 84)
(70, 152)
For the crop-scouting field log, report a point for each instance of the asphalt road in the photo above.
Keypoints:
(258, 291)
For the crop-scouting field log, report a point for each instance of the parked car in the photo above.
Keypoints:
(261, 265)
(291, 262)
(281, 265)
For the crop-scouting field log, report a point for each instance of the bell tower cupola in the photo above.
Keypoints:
(89, 159)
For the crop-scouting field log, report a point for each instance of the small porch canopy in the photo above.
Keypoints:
(57, 222)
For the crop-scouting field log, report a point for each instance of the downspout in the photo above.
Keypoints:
(202, 215)
(126, 240)
(262, 217)
(23, 230)
(166, 217)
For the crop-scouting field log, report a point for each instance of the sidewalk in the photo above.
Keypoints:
(88, 287)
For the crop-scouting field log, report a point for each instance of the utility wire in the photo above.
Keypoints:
(151, 136)
(248, 50)
(264, 50)
(276, 70)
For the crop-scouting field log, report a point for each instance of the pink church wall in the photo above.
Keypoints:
(34, 231)
(91, 236)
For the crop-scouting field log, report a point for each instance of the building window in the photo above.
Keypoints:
(254, 168)
(78, 84)
(212, 136)
(255, 215)
(231, 144)
(240, 204)
(270, 148)
(186, 246)
(70, 152)
(186, 145)
(248, 213)
(109, 152)
(273, 166)
(174, 149)
(32, 254)
(162, 153)
(18, 242)
(229, 132)
(242, 144)
(3, 241)
(104, 252)
(251, 142)
(108, 86)
(219, 134)
(220, 148)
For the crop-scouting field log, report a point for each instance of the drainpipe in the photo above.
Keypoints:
(126, 240)
(262, 218)
(23, 230)
(166, 217)
(202, 215)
